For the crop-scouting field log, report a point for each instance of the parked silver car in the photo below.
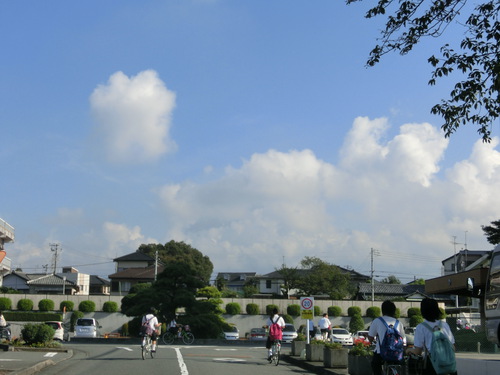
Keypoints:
(87, 327)
(289, 333)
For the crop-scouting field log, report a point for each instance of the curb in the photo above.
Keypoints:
(35, 368)
(312, 366)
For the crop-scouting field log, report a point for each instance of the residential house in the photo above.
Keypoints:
(99, 285)
(462, 260)
(39, 283)
(234, 281)
(131, 269)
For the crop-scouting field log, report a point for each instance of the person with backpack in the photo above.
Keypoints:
(150, 326)
(275, 323)
(390, 338)
(433, 338)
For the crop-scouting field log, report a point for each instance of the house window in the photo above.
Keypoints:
(268, 284)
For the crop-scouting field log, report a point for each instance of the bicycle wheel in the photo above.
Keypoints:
(188, 338)
(144, 351)
(168, 338)
(276, 354)
(151, 353)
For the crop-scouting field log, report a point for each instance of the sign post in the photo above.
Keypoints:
(307, 312)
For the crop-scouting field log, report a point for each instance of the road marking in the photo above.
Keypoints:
(229, 360)
(9, 360)
(50, 354)
(228, 349)
(124, 347)
(180, 360)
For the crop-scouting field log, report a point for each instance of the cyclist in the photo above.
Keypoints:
(152, 321)
(273, 319)
(174, 327)
(378, 330)
(3, 322)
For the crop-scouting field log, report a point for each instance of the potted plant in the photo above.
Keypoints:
(335, 355)
(299, 344)
(314, 351)
(360, 358)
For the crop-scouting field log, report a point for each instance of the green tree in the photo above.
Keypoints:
(391, 280)
(356, 323)
(492, 232)
(323, 278)
(475, 99)
(174, 252)
(418, 282)
(290, 276)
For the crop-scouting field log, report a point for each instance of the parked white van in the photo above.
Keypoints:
(87, 327)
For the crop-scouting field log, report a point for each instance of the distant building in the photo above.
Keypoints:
(461, 260)
(234, 281)
(131, 269)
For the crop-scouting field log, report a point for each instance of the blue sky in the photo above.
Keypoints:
(251, 130)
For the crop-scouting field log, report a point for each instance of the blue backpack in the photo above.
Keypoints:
(391, 347)
(442, 353)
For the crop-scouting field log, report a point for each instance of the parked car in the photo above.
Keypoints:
(232, 333)
(87, 327)
(361, 335)
(258, 334)
(5, 333)
(60, 334)
(289, 332)
(342, 336)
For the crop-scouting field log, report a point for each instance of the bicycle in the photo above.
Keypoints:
(183, 333)
(275, 352)
(395, 368)
(147, 347)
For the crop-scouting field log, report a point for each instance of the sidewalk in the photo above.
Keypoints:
(467, 364)
(27, 361)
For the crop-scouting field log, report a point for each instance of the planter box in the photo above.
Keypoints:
(314, 352)
(335, 358)
(297, 347)
(359, 365)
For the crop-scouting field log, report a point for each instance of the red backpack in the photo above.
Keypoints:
(275, 332)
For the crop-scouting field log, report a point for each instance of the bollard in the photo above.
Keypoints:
(478, 347)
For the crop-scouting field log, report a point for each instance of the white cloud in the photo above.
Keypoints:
(385, 195)
(133, 117)
(121, 238)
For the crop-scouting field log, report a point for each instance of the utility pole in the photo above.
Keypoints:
(156, 264)
(54, 247)
(373, 252)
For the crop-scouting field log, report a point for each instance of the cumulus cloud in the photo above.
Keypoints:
(383, 194)
(121, 238)
(133, 117)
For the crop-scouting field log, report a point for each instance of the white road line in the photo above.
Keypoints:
(182, 365)
(9, 360)
(229, 360)
(228, 349)
(124, 347)
(50, 354)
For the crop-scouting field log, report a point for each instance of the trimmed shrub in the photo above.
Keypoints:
(25, 304)
(87, 306)
(31, 316)
(233, 308)
(317, 311)
(353, 310)
(415, 320)
(356, 323)
(397, 314)
(37, 333)
(293, 310)
(334, 311)
(110, 307)
(287, 318)
(373, 312)
(74, 317)
(270, 308)
(46, 305)
(124, 330)
(68, 304)
(413, 311)
(5, 303)
(252, 309)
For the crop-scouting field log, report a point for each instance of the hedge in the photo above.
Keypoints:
(353, 310)
(233, 308)
(46, 305)
(317, 311)
(86, 306)
(252, 309)
(373, 312)
(37, 333)
(110, 307)
(68, 304)
(25, 304)
(334, 311)
(31, 316)
(5, 303)
(293, 310)
(270, 308)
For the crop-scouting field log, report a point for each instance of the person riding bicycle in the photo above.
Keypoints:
(152, 321)
(3, 322)
(273, 319)
(174, 327)
(378, 330)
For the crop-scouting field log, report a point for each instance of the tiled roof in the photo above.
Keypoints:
(137, 273)
(50, 280)
(135, 256)
(391, 289)
(97, 280)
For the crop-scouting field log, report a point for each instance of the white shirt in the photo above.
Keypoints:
(377, 329)
(153, 320)
(324, 323)
(423, 336)
(280, 322)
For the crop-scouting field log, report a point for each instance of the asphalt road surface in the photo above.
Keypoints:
(90, 359)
